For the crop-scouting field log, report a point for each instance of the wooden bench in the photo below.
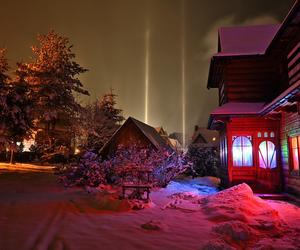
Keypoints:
(139, 190)
(139, 185)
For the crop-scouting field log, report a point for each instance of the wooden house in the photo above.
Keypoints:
(134, 132)
(257, 72)
(205, 138)
(173, 143)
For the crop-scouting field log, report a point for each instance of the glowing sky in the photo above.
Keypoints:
(109, 39)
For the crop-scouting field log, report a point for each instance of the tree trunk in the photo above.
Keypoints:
(11, 156)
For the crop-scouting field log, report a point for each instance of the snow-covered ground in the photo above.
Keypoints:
(36, 212)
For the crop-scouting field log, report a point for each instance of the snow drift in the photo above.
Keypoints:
(244, 220)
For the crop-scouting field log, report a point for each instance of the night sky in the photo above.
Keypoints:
(110, 40)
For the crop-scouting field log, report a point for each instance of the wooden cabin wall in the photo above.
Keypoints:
(223, 172)
(290, 122)
(294, 64)
(250, 80)
(290, 125)
(129, 135)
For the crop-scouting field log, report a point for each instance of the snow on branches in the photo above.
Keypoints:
(99, 121)
(16, 121)
(91, 170)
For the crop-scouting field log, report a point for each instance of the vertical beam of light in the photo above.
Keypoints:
(183, 73)
(147, 58)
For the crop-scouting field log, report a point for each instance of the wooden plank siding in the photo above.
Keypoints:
(249, 80)
(294, 64)
(127, 136)
(224, 159)
(290, 126)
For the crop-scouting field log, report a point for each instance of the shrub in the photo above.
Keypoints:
(205, 161)
(164, 164)
(91, 170)
(86, 172)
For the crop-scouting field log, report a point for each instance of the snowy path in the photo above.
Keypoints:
(38, 213)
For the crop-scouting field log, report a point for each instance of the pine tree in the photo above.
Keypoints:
(3, 99)
(102, 119)
(16, 121)
(107, 107)
(53, 76)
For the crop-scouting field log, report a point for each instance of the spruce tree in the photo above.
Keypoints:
(16, 121)
(102, 119)
(53, 76)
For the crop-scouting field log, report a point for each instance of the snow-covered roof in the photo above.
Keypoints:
(282, 98)
(246, 40)
(175, 143)
(149, 132)
(203, 136)
(239, 108)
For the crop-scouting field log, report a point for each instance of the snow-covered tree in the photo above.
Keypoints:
(100, 120)
(53, 76)
(16, 121)
(205, 161)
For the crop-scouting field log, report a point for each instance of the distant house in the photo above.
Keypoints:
(205, 138)
(162, 133)
(173, 143)
(134, 132)
(257, 72)
(176, 136)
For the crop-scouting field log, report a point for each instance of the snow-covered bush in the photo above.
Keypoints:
(205, 161)
(163, 164)
(88, 171)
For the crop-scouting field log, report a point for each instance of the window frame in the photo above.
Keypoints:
(274, 156)
(292, 169)
(252, 148)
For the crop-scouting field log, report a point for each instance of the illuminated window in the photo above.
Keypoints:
(267, 154)
(272, 134)
(259, 134)
(242, 151)
(295, 152)
(265, 134)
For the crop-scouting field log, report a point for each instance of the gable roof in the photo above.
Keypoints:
(246, 40)
(258, 40)
(204, 136)
(161, 131)
(199, 139)
(149, 132)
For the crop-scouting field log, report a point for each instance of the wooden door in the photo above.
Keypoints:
(268, 171)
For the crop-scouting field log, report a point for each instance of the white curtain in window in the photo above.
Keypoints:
(267, 155)
(242, 152)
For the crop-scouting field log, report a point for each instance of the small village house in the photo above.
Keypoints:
(205, 138)
(173, 143)
(134, 132)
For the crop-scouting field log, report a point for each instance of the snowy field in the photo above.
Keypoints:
(36, 212)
